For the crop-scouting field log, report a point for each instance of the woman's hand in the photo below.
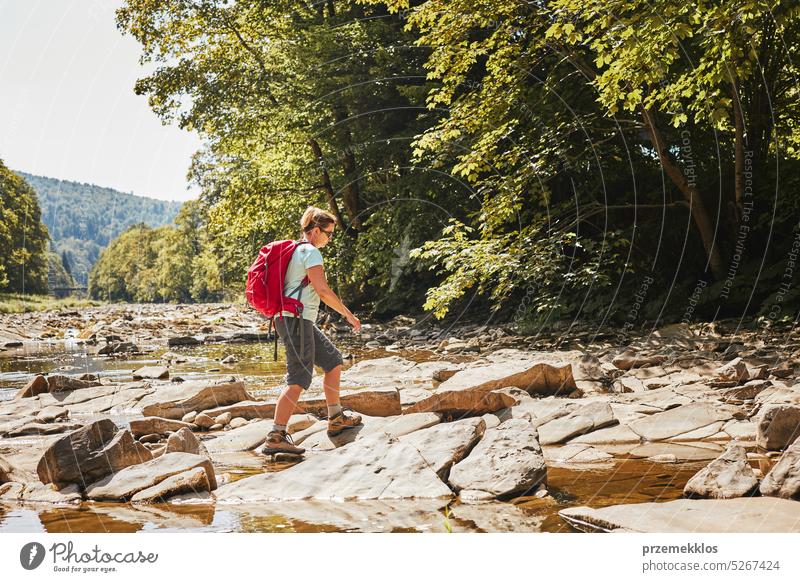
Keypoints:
(354, 321)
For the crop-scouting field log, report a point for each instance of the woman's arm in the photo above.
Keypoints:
(317, 277)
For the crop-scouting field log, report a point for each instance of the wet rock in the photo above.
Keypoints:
(90, 453)
(155, 425)
(740, 515)
(443, 445)
(186, 340)
(582, 420)
(151, 372)
(502, 517)
(191, 481)
(777, 426)
(507, 461)
(40, 493)
(36, 386)
(463, 402)
(60, 383)
(123, 485)
(175, 401)
(676, 421)
(371, 468)
(783, 480)
(52, 413)
(726, 477)
(203, 420)
(118, 348)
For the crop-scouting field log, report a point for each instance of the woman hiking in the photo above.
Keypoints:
(305, 345)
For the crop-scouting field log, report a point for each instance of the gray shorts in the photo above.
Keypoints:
(317, 350)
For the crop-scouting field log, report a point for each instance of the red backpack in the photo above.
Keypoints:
(266, 279)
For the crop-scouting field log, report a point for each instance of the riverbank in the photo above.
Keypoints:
(24, 303)
(473, 425)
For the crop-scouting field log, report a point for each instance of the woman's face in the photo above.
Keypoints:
(322, 235)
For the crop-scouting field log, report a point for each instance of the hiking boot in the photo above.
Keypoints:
(278, 441)
(339, 423)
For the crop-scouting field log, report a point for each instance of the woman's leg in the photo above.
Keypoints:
(330, 383)
(287, 402)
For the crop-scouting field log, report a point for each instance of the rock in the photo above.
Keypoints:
(24, 427)
(175, 401)
(507, 461)
(782, 370)
(185, 340)
(783, 480)
(151, 372)
(474, 496)
(748, 391)
(10, 473)
(237, 422)
(36, 386)
(51, 413)
(89, 454)
(203, 420)
(123, 485)
(676, 421)
(443, 445)
(777, 426)
(155, 425)
(59, 383)
(629, 360)
(370, 468)
(502, 517)
(535, 378)
(216, 426)
(580, 421)
(734, 371)
(244, 438)
(726, 477)
(118, 348)
(574, 454)
(189, 416)
(463, 402)
(184, 441)
(40, 493)
(612, 435)
(150, 438)
(191, 481)
(231, 359)
(696, 516)
(223, 418)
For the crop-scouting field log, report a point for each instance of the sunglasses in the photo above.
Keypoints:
(328, 233)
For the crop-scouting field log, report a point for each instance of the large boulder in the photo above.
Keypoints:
(777, 426)
(61, 383)
(375, 467)
(507, 461)
(124, 484)
(175, 401)
(543, 377)
(783, 480)
(726, 477)
(90, 453)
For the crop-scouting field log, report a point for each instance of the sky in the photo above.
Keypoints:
(67, 106)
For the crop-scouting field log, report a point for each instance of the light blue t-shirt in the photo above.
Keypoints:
(304, 257)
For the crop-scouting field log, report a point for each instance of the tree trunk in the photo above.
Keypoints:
(352, 193)
(700, 215)
(326, 183)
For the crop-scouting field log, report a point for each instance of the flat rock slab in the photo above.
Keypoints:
(245, 438)
(39, 493)
(156, 425)
(175, 401)
(581, 420)
(676, 421)
(507, 461)
(191, 481)
(445, 444)
(151, 372)
(124, 484)
(371, 468)
(741, 515)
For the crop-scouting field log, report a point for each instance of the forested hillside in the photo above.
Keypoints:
(545, 159)
(84, 218)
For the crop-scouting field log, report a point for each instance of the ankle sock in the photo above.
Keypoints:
(279, 427)
(333, 410)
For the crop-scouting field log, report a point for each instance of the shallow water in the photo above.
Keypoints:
(630, 481)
